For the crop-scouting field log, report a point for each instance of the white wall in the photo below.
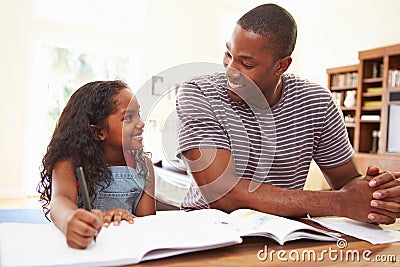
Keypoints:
(13, 73)
(331, 32)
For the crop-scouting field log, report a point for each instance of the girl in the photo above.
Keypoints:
(101, 130)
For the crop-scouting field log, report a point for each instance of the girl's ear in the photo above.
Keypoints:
(98, 133)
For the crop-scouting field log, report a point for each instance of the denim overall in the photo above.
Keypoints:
(124, 192)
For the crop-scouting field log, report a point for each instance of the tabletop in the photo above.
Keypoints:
(259, 251)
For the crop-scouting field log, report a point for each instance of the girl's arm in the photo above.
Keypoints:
(147, 203)
(79, 226)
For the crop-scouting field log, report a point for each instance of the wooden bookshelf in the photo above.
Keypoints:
(340, 81)
(378, 69)
(377, 88)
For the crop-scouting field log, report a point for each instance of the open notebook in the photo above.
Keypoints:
(151, 237)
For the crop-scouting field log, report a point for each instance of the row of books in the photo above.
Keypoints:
(374, 90)
(365, 117)
(372, 103)
(337, 98)
(344, 79)
(377, 70)
(394, 78)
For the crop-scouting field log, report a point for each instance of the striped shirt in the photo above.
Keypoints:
(273, 146)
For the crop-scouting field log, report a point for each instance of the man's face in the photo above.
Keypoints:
(249, 65)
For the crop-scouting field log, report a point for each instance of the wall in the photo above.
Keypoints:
(331, 33)
(172, 33)
(13, 73)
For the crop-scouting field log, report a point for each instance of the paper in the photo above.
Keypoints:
(365, 231)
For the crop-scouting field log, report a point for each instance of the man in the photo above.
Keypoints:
(248, 136)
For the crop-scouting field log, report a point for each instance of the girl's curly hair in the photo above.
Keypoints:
(73, 138)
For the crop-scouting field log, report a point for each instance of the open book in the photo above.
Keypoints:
(165, 234)
(248, 222)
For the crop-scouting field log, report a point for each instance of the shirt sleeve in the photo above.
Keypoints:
(334, 148)
(198, 125)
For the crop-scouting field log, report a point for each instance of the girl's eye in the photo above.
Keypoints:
(227, 54)
(128, 117)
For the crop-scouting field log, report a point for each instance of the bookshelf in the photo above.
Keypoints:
(379, 87)
(343, 82)
(377, 92)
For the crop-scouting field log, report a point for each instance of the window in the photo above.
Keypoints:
(57, 73)
(72, 43)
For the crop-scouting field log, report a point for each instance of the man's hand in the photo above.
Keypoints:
(371, 173)
(386, 195)
(356, 202)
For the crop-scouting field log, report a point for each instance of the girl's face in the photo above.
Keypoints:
(125, 126)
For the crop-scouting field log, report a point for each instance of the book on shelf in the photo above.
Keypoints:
(337, 98)
(372, 103)
(349, 119)
(152, 237)
(377, 70)
(348, 79)
(374, 90)
(370, 117)
(394, 78)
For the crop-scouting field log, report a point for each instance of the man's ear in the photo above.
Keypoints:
(98, 132)
(282, 65)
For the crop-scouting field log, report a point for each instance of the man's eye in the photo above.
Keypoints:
(247, 66)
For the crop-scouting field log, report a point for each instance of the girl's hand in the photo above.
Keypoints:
(82, 227)
(117, 215)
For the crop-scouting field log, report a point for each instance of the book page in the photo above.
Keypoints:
(253, 223)
(172, 233)
(41, 245)
(372, 233)
(161, 235)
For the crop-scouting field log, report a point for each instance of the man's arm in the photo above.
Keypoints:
(339, 176)
(214, 172)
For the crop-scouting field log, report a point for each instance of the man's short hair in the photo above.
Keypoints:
(275, 24)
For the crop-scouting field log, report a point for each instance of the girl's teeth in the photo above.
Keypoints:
(233, 85)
